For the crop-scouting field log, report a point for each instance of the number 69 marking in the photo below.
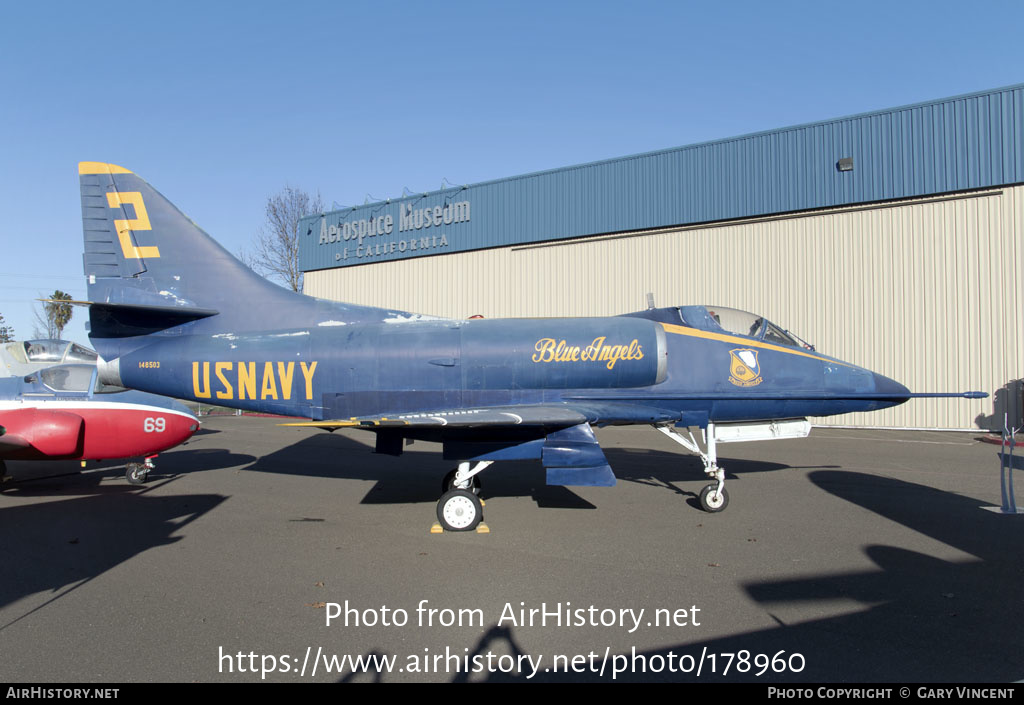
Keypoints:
(151, 424)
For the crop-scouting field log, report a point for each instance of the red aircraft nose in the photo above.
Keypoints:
(129, 430)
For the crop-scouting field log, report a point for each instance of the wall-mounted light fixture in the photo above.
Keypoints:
(845, 164)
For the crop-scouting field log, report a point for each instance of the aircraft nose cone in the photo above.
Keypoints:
(181, 408)
(892, 388)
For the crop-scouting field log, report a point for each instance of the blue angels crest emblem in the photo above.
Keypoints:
(744, 370)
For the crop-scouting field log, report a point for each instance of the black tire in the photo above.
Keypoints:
(448, 483)
(712, 501)
(136, 473)
(459, 510)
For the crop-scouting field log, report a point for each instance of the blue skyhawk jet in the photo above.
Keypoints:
(172, 312)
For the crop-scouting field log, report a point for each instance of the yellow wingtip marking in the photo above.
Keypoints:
(101, 168)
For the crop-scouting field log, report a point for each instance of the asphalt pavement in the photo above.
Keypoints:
(261, 552)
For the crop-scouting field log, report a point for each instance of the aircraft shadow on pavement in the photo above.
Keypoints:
(56, 478)
(59, 545)
(416, 475)
(679, 472)
(924, 618)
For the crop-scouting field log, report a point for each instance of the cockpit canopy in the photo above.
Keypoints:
(719, 319)
(50, 351)
(68, 378)
(725, 321)
(75, 379)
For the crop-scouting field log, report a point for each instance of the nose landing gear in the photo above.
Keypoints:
(138, 473)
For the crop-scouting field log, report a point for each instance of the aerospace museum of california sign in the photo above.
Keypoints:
(354, 238)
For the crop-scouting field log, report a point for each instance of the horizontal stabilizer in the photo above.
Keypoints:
(127, 320)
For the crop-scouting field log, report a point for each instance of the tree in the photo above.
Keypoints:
(6, 331)
(56, 315)
(276, 247)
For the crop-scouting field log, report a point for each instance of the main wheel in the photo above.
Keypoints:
(459, 510)
(136, 473)
(448, 483)
(711, 500)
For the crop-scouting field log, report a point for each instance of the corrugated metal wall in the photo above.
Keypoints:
(925, 291)
(954, 144)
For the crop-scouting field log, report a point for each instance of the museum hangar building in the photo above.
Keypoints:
(891, 240)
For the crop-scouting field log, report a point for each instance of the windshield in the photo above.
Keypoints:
(45, 350)
(68, 378)
(76, 353)
(720, 319)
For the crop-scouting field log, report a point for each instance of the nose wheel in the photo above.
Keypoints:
(714, 499)
(138, 473)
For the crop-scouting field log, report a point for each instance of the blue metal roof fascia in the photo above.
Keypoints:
(724, 140)
(932, 147)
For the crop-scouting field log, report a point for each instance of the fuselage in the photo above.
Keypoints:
(626, 366)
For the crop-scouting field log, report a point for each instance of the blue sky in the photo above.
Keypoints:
(220, 105)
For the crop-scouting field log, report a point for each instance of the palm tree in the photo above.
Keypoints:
(59, 313)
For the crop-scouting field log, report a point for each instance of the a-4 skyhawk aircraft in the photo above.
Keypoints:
(172, 312)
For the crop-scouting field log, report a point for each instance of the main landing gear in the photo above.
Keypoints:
(713, 498)
(459, 508)
(138, 473)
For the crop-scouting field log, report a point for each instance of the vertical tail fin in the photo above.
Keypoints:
(143, 254)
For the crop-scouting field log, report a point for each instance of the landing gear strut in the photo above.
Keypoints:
(448, 483)
(713, 498)
(459, 508)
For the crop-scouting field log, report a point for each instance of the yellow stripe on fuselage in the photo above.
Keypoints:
(747, 342)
